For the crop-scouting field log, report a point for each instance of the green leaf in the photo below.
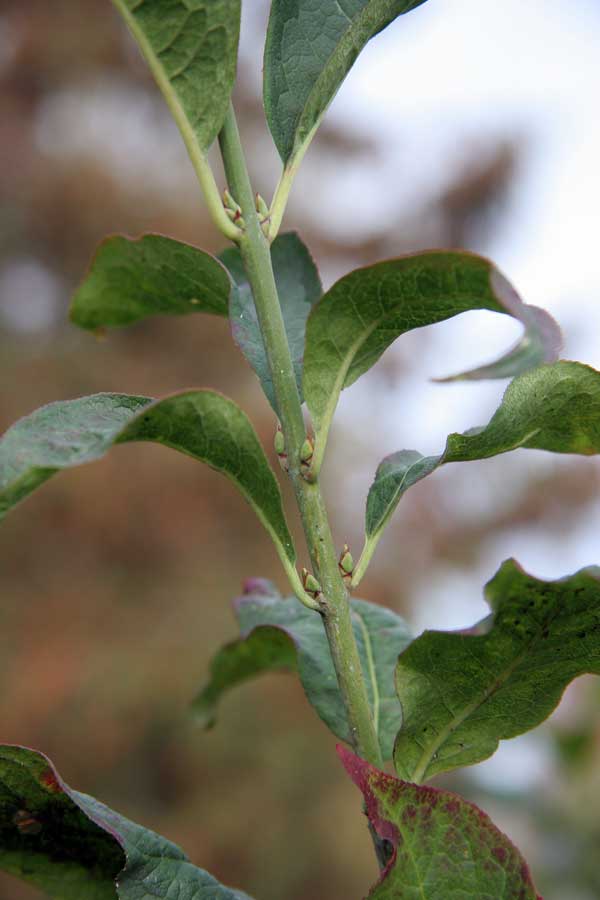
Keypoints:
(153, 275)
(463, 692)
(364, 312)
(191, 48)
(281, 634)
(201, 424)
(310, 48)
(74, 848)
(299, 288)
(441, 846)
(554, 407)
(58, 436)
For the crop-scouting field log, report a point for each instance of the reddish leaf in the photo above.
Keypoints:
(443, 848)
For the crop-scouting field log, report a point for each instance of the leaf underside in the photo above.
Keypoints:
(191, 47)
(364, 312)
(554, 407)
(130, 279)
(463, 692)
(202, 424)
(443, 848)
(298, 287)
(311, 46)
(72, 847)
(281, 634)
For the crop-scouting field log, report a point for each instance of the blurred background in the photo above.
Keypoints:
(467, 127)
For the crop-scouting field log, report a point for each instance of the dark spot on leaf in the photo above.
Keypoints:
(26, 823)
(387, 850)
(50, 781)
(499, 853)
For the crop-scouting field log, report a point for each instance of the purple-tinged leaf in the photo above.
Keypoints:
(441, 846)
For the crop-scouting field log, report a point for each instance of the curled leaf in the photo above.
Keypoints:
(463, 692)
(364, 312)
(554, 407)
(442, 847)
(202, 424)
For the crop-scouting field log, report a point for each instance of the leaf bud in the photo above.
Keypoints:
(261, 207)
(229, 202)
(306, 451)
(346, 562)
(279, 445)
(310, 583)
(236, 216)
(279, 442)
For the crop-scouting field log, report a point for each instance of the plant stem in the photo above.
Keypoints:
(334, 607)
(283, 189)
(280, 198)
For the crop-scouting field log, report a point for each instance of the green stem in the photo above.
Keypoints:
(280, 199)
(283, 190)
(334, 606)
(365, 558)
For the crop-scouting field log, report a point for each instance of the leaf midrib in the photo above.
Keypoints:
(323, 422)
(420, 770)
(371, 669)
(297, 146)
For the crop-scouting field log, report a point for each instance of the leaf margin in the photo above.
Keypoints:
(511, 623)
(278, 530)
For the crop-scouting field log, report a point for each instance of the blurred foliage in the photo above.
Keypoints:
(115, 581)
